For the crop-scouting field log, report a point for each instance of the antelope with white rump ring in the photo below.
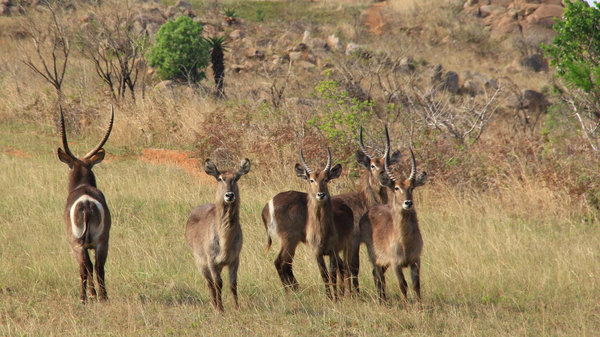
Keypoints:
(86, 216)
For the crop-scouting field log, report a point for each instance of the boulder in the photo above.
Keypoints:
(437, 74)
(406, 66)
(305, 65)
(545, 15)
(503, 26)
(165, 86)
(535, 101)
(533, 62)
(318, 43)
(450, 82)
(237, 35)
(295, 55)
(253, 53)
(286, 39)
(183, 4)
(334, 43)
(352, 48)
(472, 88)
(501, 3)
(485, 11)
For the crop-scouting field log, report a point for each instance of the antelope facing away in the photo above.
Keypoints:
(214, 233)
(322, 235)
(285, 215)
(391, 233)
(86, 216)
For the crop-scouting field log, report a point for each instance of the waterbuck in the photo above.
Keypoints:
(323, 236)
(285, 215)
(391, 233)
(214, 233)
(86, 216)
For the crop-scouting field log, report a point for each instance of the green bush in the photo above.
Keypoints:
(179, 51)
(342, 116)
(576, 49)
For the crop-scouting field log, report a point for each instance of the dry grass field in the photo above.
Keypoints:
(510, 222)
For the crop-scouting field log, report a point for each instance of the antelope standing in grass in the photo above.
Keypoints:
(87, 218)
(322, 235)
(285, 215)
(391, 233)
(214, 233)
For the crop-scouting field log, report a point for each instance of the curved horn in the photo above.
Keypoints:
(362, 146)
(101, 144)
(413, 169)
(386, 162)
(328, 167)
(63, 134)
(308, 170)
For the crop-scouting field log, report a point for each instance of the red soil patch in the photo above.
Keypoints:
(374, 19)
(15, 152)
(175, 158)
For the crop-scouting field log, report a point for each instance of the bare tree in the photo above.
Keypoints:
(51, 48)
(116, 49)
(463, 120)
(587, 112)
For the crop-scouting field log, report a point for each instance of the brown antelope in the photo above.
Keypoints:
(285, 215)
(87, 218)
(391, 233)
(214, 233)
(370, 193)
(322, 235)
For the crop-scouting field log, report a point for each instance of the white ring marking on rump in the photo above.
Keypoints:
(77, 230)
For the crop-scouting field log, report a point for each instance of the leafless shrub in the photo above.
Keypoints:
(51, 43)
(586, 111)
(111, 42)
(459, 118)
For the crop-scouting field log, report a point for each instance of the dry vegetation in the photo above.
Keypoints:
(509, 219)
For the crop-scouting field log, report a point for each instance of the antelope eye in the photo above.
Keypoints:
(397, 188)
(312, 181)
(372, 166)
(220, 179)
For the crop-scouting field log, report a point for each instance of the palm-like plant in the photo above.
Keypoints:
(230, 16)
(217, 47)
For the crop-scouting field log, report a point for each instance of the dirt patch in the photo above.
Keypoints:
(181, 159)
(15, 152)
(374, 17)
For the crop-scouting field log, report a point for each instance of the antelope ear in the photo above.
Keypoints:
(65, 158)
(394, 158)
(335, 172)
(363, 160)
(421, 179)
(301, 172)
(211, 169)
(98, 157)
(244, 167)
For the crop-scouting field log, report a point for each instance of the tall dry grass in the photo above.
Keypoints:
(519, 262)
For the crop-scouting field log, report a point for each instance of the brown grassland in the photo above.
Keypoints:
(510, 220)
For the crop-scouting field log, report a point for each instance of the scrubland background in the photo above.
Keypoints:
(509, 218)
